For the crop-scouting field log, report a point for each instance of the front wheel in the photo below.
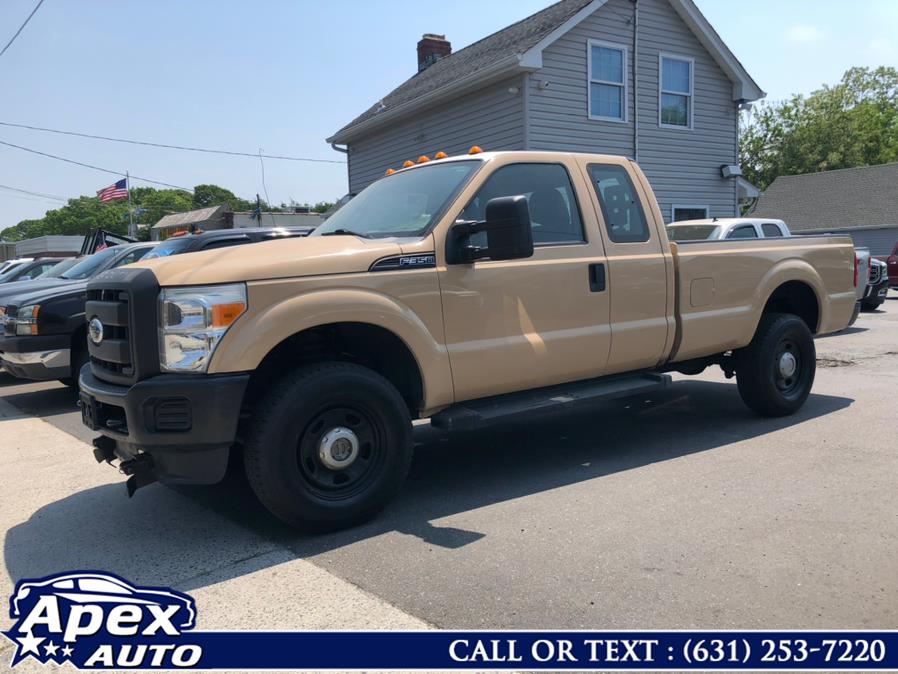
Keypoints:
(328, 446)
(776, 370)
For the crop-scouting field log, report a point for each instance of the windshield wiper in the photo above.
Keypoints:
(343, 232)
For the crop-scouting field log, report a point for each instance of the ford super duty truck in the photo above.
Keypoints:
(466, 290)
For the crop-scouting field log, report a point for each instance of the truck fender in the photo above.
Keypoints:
(785, 271)
(257, 332)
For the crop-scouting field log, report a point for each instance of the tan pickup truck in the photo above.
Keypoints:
(467, 290)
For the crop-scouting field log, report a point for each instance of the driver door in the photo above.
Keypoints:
(520, 324)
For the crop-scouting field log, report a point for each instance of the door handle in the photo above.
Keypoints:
(597, 277)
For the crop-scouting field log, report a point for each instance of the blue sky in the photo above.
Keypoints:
(283, 75)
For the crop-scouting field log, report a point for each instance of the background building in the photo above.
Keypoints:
(650, 80)
(861, 202)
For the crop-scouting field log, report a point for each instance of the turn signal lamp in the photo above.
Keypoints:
(390, 172)
(440, 155)
(423, 159)
(407, 163)
(475, 150)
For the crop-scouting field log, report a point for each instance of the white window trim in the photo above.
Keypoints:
(589, 81)
(674, 207)
(690, 110)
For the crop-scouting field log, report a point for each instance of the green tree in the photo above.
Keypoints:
(159, 203)
(213, 195)
(853, 123)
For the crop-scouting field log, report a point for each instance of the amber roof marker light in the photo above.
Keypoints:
(423, 159)
(407, 163)
(390, 172)
(475, 150)
(440, 155)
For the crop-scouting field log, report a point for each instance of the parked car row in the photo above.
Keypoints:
(44, 331)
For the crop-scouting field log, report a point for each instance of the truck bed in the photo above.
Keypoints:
(721, 287)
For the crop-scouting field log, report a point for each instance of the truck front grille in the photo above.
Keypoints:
(121, 304)
(112, 354)
(875, 274)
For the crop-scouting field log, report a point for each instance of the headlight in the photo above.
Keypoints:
(193, 322)
(26, 319)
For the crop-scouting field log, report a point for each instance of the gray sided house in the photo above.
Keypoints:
(861, 202)
(647, 79)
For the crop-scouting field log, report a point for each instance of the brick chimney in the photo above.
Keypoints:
(431, 48)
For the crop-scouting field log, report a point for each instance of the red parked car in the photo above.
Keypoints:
(892, 262)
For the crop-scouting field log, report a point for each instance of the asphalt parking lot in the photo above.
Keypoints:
(679, 511)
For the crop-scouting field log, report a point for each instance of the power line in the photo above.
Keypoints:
(34, 194)
(95, 168)
(170, 147)
(22, 27)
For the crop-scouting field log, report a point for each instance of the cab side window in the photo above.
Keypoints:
(133, 256)
(621, 208)
(771, 230)
(743, 232)
(554, 212)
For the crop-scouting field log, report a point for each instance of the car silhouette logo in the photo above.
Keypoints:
(95, 330)
(99, 588)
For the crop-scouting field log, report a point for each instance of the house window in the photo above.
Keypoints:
(675, 92)
(679, 213)
(607, 81)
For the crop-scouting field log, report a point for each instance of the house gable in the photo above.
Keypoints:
(518, 49)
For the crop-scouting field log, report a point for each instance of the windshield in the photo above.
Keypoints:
(9, 273)
(89, 265)
(57, 269)
(692, 232)
(403, 204)
(170, 247)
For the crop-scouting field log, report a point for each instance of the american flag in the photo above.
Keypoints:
(114, 192)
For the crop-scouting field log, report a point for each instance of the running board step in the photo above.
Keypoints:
(474, 414)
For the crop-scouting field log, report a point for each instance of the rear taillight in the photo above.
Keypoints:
(855, 270)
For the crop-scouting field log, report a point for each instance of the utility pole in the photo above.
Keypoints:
(132, 232)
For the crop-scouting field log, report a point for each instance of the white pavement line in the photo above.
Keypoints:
(60, 511)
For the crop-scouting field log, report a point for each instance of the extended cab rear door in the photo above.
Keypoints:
(640, 267)
(520, 324)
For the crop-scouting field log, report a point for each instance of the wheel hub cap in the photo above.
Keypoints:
(338, 448)
(787, 365)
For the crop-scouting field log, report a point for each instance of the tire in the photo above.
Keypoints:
(283, 454)
(762, 367)
(79, 359)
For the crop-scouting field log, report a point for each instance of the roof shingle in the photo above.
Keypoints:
(854, 197)
(515, 39)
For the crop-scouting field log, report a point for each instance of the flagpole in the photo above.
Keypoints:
(131, 231)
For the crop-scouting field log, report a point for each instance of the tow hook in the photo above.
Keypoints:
(140, 470)
(104, 449)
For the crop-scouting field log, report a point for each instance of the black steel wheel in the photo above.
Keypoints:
(775, 372)
(328, 446)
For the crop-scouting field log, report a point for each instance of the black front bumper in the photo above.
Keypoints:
(180, 427)
(14, 348)
(877, 294)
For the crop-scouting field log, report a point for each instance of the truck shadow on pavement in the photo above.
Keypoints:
(181, 536)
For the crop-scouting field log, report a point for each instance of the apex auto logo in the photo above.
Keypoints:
(97, 620)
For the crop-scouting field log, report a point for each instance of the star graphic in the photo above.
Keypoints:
(51, 648)
(29, 644)
(67, 652)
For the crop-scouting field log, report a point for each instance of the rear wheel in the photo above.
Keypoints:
(776, 370)
(329, 446)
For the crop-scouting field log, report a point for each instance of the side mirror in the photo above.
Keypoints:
(508, 233)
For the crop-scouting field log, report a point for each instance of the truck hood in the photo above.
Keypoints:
(12, 290)
(285, 258)
(47, 294)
